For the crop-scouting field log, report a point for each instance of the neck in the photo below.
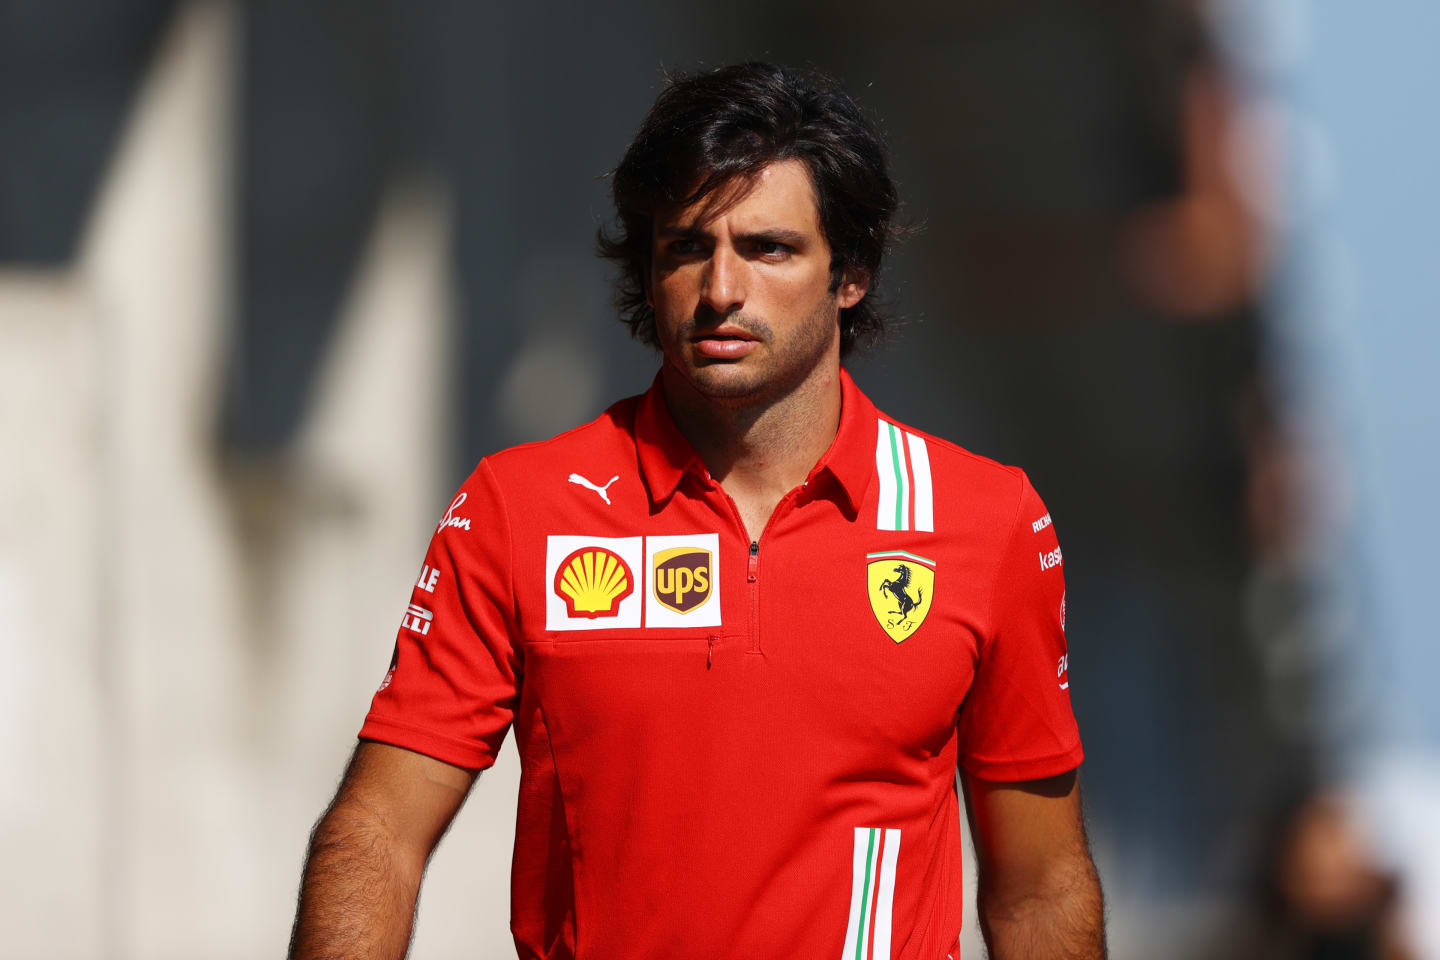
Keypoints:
(759, 449)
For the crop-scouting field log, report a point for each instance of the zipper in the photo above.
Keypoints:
(752, 568)
(752, 576)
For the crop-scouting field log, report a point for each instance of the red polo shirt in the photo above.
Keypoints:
(734, 749)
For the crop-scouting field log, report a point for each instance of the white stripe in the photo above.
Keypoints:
(887, 895)
(898, 436)
(857, 891)
(924, 500)
(885, 471)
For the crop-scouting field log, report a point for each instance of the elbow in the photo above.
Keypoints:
(349, 831)
(1068, 884)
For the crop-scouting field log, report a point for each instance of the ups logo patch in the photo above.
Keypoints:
(682, 578)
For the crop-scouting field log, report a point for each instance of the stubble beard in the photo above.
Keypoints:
(782, 368)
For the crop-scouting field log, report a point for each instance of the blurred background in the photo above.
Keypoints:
(274, 275)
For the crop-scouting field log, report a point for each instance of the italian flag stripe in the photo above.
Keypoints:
(860, 952)
(885, 896)
(902, 487)
(872, 893)
(888, 502)
(901, 553)
(924, 499)
(906, 501)
(875, 896)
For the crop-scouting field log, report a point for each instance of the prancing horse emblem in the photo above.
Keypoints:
(902, 589)
(898, 588)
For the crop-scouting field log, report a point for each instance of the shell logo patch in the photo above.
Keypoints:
(591, 582)
(901, 588)
(684, 580)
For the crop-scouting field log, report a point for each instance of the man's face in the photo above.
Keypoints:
(740, 283)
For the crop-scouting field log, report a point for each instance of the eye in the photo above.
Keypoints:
(772, 249)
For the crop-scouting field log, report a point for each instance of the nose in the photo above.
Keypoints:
(722, 287)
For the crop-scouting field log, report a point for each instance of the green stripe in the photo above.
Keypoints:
(864, 904)
(899, 477)
(900, 553)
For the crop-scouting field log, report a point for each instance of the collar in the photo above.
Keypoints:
(850, 461)
(665, 456)
(664, 453)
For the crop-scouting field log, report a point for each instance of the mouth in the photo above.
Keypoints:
(724, 343)
(723, 333)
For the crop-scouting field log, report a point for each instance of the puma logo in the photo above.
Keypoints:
(600, 491)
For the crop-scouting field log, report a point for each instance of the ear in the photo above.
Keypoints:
(853, 286)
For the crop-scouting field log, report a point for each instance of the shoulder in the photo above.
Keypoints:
(603, 443)
(962, 481)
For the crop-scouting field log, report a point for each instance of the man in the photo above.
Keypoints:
(745, 626)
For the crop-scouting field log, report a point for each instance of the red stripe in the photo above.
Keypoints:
(875, 896)
(910, 477)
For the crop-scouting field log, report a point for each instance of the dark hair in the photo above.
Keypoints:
(712, 127)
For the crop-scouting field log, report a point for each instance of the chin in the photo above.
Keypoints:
(725, 381)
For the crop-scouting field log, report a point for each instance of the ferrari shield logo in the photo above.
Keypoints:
(901, 587)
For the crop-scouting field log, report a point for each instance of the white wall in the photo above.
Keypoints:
(188, 648)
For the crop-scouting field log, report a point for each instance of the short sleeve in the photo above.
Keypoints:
(1016, 722)
(451, 689)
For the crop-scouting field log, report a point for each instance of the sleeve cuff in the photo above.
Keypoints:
(453, 750)
(1008, 771)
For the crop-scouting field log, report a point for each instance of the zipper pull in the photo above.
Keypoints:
(754, 559)
(710, 650)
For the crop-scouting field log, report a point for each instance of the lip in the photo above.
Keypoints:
(724, 343)
(723, 332)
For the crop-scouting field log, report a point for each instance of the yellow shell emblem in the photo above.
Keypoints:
(901, 587)
(592, 581)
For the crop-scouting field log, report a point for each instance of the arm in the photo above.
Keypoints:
(1039, 895)
(368, 853)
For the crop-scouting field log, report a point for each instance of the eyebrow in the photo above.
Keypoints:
(792, 237)
(776, 235)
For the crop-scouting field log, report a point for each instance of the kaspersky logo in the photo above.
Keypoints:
(681, 578)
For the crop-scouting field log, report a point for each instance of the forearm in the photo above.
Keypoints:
(358, 892)
(1063, 919)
